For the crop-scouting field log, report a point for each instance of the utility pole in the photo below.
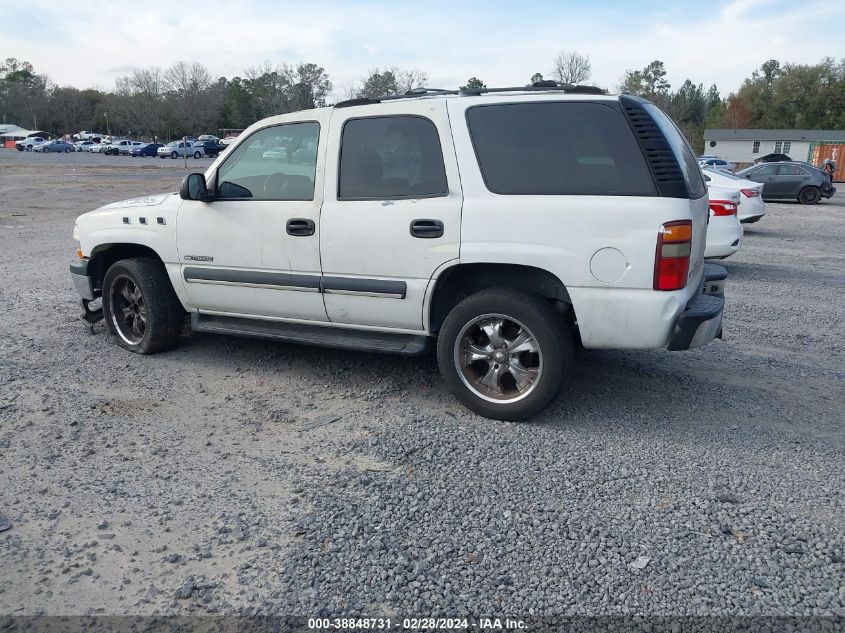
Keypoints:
(185, 149)
(108, 129)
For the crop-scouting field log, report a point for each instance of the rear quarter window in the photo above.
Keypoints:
(682, 150)
(558, 148)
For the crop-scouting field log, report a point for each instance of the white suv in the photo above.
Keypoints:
(499, 225)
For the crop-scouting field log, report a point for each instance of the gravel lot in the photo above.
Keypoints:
(215, 478)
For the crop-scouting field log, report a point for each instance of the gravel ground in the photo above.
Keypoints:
(234, 476)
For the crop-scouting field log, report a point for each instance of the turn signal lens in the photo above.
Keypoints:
(671, 262)
(80, 254)
(675, 232)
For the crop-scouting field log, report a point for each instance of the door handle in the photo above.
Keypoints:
(427, 229)
(300, 227)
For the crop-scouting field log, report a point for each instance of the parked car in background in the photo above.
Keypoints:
(208, 137)
(275, 153)
(177, 149)
(114, 148)
(87, 135)
(229, 138)
(146, 149)
(772, 158)
(83, 146)
(97, 148)
(790, 181)
(724, 232)
(210, 147)
(28, 143)
(55, 147)
(751, 207)
(713, 161)
(126, 149)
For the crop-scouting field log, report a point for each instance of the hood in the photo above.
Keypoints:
(145, 201)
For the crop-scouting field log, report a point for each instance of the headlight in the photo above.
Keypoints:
(75, 232)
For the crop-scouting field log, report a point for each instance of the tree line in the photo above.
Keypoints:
(186, 99)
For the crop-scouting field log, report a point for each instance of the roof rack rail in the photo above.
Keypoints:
(537, 86)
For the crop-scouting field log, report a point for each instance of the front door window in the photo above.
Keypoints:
(275, 163)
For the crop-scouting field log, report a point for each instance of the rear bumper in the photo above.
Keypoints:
(828, 193)
(751, 219)
(701, 320)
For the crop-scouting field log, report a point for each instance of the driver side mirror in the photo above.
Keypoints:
(194, 188)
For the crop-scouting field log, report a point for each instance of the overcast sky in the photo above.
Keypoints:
(90, 43)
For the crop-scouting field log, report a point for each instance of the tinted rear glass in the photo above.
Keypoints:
(391, 157)
(558, 148)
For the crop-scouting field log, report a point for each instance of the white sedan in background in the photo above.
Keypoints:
(724, 232)
(752, 207)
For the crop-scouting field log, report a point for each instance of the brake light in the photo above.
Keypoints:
(723, 207)
(750, 193)
(671, 262)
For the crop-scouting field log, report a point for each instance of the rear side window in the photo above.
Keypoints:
(391, 157)
(766, 170)
(683, 152)
(558, 148)
(790, 170)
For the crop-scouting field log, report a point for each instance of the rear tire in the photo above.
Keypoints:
(197, 155)
(809, 195)
(498, 338)
(141, 309)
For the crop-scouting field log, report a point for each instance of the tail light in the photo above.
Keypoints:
(723, 207)
(750, 193)
(671, 263)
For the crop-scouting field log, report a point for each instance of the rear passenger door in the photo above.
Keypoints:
(789, 180)
(392, 211)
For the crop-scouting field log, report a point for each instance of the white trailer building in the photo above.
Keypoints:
(746, 145)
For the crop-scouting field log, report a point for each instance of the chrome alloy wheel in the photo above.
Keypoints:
(498, 358)
(128, 310)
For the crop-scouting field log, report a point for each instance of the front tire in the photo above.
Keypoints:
(504, 353)
(174, 155)
(809, 195)
(141, 309)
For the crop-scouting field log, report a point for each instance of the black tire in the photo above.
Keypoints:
(809, 195)
(518, 308)
(197, 155)
(174, 155)
(162, 314)
(67, 150)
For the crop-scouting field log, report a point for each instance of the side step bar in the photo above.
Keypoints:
(366, 341)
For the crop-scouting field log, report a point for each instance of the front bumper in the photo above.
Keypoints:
(82, 281)
(701, 320)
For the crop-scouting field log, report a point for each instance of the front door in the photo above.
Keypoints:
(392, 212)
(254, 250)
(766, 175)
